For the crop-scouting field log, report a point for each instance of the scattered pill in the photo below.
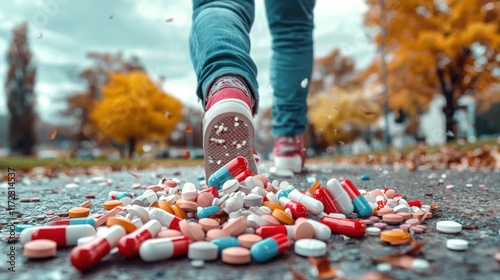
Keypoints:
(123, 222)
(78, 212)
(202, 250)
(270, 247)
(197, 263)
(310, 247)
(247, 240)
(236, 255)
(41, 248)
(457, 244)
(164, 248)
(62, 235)
(448, 226)
(110, 204)
(373, 231)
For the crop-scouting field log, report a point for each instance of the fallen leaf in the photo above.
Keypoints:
(368, 112)
(135, 176)
(470, 227)
(53, 135)
(414, 248)
(297, 275)
(323, 266)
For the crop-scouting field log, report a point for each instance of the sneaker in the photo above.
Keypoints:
(289, 152)
(228, 132)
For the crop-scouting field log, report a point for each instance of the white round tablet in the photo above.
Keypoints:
(402, 208)
(448, 226)
(230, 186)
(420, 265)
(202, 250)
(373, 231)
(310, 247)
(457, 244)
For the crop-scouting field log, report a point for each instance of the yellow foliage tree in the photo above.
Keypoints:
(330, 112)
(450, 47)
(133, 108)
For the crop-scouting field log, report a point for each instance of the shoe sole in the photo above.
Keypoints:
(235, 138)
(293, 163)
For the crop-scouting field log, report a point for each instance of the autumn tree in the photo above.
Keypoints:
(448, 47)
(334, 69)
(19, 86)
(335, 113)
(80, 104)
(133, 108)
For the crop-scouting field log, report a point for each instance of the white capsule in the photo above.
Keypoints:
(340, 196)
(139, 212)
(189, 192)
(313, 205)
(321, 231)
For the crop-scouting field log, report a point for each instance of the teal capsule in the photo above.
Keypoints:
(365, 177)
(206, 212)
(285, 192)
(225, 242)
(21, 227)
(74, 221)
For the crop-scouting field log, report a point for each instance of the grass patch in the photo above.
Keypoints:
(31, 162)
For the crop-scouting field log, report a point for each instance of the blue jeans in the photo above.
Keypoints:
(220, 45)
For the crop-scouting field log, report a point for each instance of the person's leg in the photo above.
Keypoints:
(227, 85)
(220, 45)
(291, 24)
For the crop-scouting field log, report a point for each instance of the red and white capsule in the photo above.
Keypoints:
(85, 256)
(129, 245)
(164, 248)
(166, 219)
(62, 235)
(298, 209)
(380, 201)
(268, 231)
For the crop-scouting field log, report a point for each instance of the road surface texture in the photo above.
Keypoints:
(466, 203)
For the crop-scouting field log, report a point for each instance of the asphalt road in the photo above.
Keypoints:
(466, 203)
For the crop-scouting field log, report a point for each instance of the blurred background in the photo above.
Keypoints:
(113, 79)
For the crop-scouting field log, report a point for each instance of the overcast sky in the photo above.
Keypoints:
(63, 31)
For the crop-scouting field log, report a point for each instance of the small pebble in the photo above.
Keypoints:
(384, 267)
(197, 263)
(71, 186)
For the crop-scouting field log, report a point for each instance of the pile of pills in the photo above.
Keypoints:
(238, 218)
